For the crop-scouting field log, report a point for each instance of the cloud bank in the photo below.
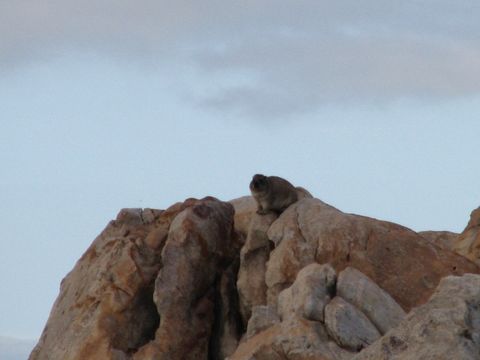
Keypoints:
(292, 56)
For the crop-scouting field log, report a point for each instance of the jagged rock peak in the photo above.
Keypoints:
(206, 279)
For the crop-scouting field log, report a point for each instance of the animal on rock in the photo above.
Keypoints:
(272, 193)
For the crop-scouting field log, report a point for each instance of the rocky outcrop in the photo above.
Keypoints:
(468, 242)
(445, 328)
(400, 261)
(367, 296)
(333, 327)
(149, 288)
(206, 279)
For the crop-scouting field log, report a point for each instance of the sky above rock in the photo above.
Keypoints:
(372, 106)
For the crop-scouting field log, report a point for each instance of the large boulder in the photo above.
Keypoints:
(468, 242)
(206, 279)
(310, 293)
(348, 326)
(397, 259)
(367, 296)
(148, 288)
(445, 328)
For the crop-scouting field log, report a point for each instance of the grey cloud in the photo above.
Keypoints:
(299, 54)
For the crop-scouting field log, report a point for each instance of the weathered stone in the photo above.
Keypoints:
(245, 207)
(253, 258)
(348, 326)
(443, 239)
(468, 242)
(292, 339)
(132, 293)
(199, 243)
(445, 328)
(311, 291)
(399, 260)
(163, 285)
(262, 318)
(367, 296)
(105, 307)
(228, 327)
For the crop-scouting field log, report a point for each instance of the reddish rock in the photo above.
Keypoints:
(170, 284)
(468, 242)
(105, 306)
(153, 285)
(397, 259)
(443, 239)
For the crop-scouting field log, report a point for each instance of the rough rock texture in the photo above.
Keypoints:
(445, 328)
(349, 326)
(254, 255)
(443, 239)
(468, 242)
(293, 339)
(262, 318)
(311, 291)
(198, 245)
(106, 303)
(184, 283)
(147, 278)
(245, 207)
(397, 259)
(367, 296)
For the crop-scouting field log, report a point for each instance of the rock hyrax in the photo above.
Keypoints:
(272, 193)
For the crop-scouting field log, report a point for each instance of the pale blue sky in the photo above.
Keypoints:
(374, 109)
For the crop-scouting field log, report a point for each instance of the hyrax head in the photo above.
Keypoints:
(259, 183)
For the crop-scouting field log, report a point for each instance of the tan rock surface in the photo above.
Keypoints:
(262, 318)
(106, 301)
(245, 207)
(397, 259)
(147, 287)
(468, 242)
(199, 243)
(182, 283)
(312, 290)
(443, 239)
(445, 328)
(368, 297)
(293, 339)
(252, 290)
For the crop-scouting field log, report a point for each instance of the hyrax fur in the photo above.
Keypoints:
(272, 193)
